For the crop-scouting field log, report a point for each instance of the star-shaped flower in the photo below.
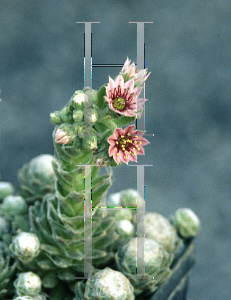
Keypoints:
(122, 97)
(126, 144)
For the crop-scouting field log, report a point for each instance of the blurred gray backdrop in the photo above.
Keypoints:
(188, 51)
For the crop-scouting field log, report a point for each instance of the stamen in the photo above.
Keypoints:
(122, 136)
(117, 142)
(140, 142)
(125, 156)
(118, 154)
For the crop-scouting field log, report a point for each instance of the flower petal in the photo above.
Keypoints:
(111, 150)
(133, 157)
(119, 81)
(129, 129)
(129, 85)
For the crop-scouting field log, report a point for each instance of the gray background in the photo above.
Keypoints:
(188, 51)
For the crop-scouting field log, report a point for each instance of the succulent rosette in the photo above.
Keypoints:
(28, 286)
(158, 228)
(186, 222)
(157, 265)
(105, 284)
(6, 189)
(37, 178)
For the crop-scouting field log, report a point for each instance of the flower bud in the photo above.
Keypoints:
(78, 100)
(94, 115)
(80, 131)
(28, 283)
(78, 115)
(66, 115)
(186, 222)
(6, 189)
(65, 134)
(90, 143)
(92, 94)
(14, 205)
(55, 118)
(61, 137)
(25, 246)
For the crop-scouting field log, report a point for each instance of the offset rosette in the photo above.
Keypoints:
(105, 284)
(158, 228)
(37, 178)
(186, 222)
(6, 189)
(157, 265)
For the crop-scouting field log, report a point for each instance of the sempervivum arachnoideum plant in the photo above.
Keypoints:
(42, 226)
(56, 211)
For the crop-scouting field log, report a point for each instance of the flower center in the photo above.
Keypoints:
(119, 103)
(124, 142)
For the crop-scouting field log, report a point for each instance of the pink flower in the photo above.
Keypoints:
(130, 70)
(122, 97)
(126, 144)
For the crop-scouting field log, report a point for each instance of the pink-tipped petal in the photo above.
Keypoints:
(129, 129)
(119, 81)
(130, 85)
(111, 150)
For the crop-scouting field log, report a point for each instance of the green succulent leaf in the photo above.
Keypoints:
(101, 101)
(122, 121)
